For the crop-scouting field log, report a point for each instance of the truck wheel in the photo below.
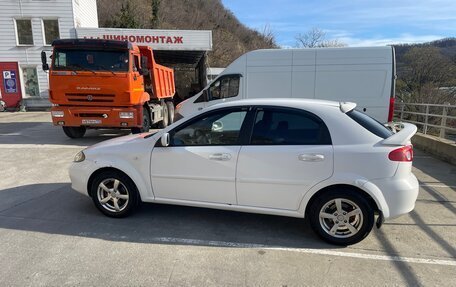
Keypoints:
(170, 112)
(74, 132)
(165, 121)
(146, 123)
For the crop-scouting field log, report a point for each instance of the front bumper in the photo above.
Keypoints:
(80, 173)
(97, 117)
(400, 194)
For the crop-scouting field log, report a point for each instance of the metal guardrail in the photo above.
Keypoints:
(438, 120)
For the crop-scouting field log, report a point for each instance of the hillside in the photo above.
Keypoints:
(230, 37)
(447, 47)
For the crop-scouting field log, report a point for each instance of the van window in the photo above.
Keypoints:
(370, 124)
(288, 127)
(225, 87)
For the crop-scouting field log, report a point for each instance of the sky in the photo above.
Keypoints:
(353, 22)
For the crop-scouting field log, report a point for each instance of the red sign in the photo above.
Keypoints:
(145, 39)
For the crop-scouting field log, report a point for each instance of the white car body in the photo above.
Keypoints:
(268, 179)
(365, 75)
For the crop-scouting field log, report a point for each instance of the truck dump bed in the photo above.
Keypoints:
(162, 78)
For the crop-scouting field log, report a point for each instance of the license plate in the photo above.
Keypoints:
(91, 122)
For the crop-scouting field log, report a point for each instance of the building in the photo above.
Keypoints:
(28, 27)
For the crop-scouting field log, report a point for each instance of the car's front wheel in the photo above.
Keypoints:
(342, 217)
(114, 194)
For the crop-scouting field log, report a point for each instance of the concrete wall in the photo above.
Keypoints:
(441, 148)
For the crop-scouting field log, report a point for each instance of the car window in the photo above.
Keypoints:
(370, 124)
(220, 128)
(225, 87)
(288, 127)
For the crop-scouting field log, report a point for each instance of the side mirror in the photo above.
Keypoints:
(44, 63)
(206, 95)
(164, 140)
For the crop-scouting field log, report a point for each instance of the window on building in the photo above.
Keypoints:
(30, 77)
(51, 31)
(24, 31)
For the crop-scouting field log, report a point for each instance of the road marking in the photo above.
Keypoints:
(307, 250)
(438, 185)
(42, 146)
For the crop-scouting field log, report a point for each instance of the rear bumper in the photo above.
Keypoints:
(399, 194)
(97, 117)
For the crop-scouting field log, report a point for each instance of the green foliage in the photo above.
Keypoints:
(427, 76)
(154, 19)
(126, 17)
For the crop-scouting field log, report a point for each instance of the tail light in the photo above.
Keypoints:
(404, 153)
(391, 109)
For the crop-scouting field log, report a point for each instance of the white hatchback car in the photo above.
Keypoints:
(290, 157)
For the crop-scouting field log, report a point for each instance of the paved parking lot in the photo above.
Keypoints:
(53, 236)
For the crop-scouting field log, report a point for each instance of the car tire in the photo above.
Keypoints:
(114, 194)
(165, 121)
(170, 112)
(74, 132)
(342, 217)
(146, 123)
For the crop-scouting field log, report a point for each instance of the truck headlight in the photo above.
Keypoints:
(57, 114)
(126, 115)
(80, 156)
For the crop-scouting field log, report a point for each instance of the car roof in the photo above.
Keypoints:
(286, 102)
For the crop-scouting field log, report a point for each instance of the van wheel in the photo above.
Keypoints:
(164, 123)
(170, 112)
(146, 123)
(341, 217)
(74, 132)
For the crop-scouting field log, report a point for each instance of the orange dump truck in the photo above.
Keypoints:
(107, 84)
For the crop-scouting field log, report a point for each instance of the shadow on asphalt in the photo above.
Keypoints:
(47, 133)
(63, 211)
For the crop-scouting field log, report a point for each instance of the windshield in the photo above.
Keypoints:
(90, 60)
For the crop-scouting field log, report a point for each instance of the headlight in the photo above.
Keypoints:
(57, 114)
(126, 115)
(80, 156)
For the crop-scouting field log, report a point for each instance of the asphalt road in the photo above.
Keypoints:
(53, 236)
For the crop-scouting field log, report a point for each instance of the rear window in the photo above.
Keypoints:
(370, 124)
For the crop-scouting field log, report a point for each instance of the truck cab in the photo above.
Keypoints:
(107, 84)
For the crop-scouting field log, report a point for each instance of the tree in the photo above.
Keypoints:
(427, 77)
(316, 38)
(126, 17)
(155, 20)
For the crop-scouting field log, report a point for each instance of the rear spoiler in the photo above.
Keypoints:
(402, 137)
(345, 107)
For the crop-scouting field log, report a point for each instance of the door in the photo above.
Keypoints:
(200, 162)
(289, 152)
(10, 85)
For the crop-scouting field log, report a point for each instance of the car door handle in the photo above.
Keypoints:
(200, 108)
(220, 156)
(311, 157)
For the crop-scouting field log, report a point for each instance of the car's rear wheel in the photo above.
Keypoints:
(74, 132)
(342, 217)
(114, 194)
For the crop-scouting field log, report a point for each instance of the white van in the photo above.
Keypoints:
(365, 76)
